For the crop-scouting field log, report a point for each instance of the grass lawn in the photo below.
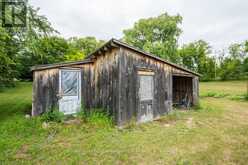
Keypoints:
(215, 134)
(230, 89)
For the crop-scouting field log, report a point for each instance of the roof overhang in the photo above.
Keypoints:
(62, 64)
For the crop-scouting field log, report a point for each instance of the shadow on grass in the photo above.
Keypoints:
(9, 110)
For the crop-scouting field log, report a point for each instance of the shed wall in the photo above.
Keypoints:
(111, 83)
(45, 89)
(106, 82)
(130, 63)
(195, 90)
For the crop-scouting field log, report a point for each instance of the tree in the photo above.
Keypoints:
(196, 56)
(7, 63)
(157, 35)
(234, 65)
(79, 48)
(45, 50)
(53, 49)
(230, 69)
(18, 39)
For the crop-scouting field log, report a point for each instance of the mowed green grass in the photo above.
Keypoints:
(230, 89)
(215, 134)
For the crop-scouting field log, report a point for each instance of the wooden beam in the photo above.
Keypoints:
(147, 73)
(113, 45)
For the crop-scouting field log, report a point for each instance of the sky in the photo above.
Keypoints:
(219, 22)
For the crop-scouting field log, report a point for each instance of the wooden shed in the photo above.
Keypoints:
(125, 81)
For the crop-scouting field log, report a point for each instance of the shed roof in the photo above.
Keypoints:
(62, 64)
(115, 43)
(108, 45)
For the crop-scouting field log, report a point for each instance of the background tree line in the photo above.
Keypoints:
(40, 43)
(159, 35)
(36, 43)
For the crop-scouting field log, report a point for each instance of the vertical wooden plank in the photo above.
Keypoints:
(195, 90)
(45, 89)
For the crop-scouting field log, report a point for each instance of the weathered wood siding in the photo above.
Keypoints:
(87, 74)
(130, 63)
(106, 82)
(45, 88)
(111, 82)
(195, 82)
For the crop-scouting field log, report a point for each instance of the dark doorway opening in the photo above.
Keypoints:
(182, 91)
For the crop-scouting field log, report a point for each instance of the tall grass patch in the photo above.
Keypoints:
(96, 117)
(53, 115)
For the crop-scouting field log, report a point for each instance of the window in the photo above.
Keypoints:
(69, 83)
(146, 87)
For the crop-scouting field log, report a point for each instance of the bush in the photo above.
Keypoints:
(53, 115)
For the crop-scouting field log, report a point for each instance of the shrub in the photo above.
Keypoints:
(53, 115)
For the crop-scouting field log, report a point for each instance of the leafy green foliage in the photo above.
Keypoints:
(157, 35)
(230, 69)
(53, 115)
(7, 63)
(196, 56)
(53, 49)
(235, 65)
(45, 50)
(85, 45)
(16, 39)
(37, 43)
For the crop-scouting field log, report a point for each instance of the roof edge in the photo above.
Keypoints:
(61, 64)
(120, 43)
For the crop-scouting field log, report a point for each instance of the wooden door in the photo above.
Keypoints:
(70, 91)
(146, 90)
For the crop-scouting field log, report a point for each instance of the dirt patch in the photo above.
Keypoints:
(72, 122)
(190, 122)
(166, 122)
(22, 153)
